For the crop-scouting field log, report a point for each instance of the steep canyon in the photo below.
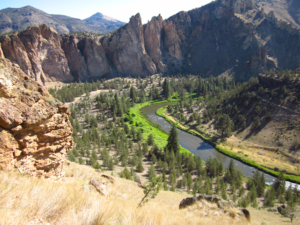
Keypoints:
(228, 37)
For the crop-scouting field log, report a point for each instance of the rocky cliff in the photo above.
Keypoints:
(228, 37)
(35, 132)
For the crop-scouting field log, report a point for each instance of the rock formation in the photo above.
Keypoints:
(231, 37)
(38, 52)
(222, 204)
(126, 49)
(212, 199)
(35, 132)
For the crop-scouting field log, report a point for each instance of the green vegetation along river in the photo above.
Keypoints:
(197, 146)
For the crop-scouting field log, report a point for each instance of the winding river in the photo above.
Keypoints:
(198, 147)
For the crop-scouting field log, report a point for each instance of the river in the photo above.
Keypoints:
(200, 148)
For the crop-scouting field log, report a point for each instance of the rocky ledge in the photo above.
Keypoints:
(35, 131)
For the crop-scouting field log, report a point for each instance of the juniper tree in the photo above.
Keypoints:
(126, 174)
(279, 185)
(150, 140)
(224, 194)
(224, 125)
(173, 144)
(152, 189)
(151, 172)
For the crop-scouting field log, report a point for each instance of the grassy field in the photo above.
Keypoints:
(72, 200)
(159, 135)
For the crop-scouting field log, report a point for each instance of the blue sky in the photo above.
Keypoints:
(118, 9)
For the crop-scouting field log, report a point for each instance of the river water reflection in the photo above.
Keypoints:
(197, 146)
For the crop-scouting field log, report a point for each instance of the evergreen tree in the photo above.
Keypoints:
(132, 94)
(151, 172)
(80, 161)
(224, 194)
(126, 174)
(150, 140)
(195, 188)
(152, 189)
(224, 125)
(165, 186)
(166, 92)
(173, 144)
(279, 185)
(269, 197)
(189, 182)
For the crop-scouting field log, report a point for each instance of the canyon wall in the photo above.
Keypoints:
(35, 131)
(224, 37)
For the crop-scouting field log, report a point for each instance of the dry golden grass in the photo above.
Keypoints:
(25, 200)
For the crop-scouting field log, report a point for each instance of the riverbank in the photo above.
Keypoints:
(140, 121)
(223, 148)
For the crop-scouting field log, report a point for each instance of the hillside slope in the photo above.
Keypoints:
(72, 200)
(16, 19)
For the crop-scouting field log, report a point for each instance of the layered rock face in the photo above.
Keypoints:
(35, 132)
(126, 49)
(231, 37)
(38, 52)
(86, 57)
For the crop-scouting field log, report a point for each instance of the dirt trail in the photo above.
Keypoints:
(93, 94)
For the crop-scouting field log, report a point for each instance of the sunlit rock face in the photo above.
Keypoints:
(35, 132)
(231, 37)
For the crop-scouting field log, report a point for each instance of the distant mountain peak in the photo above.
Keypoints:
(15, 19)
(99, 16)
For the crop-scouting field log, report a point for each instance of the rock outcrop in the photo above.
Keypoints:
(38, 52)
(212, 199)
(86, 57)
(231, 37)
(222, 204)
(125, 49)
(35, 132)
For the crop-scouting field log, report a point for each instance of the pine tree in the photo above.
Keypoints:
(195, 188)
(166, 92)
(224, 194)
(234, 198)
(279, 185)
(151, 189)
(80, 161)
(132, 94)
(269, 198)
(165, 186)
(151, 172)
(224, 125)
(189, 182)
(140, 167)
(217, 186)
(126, 174)
(241, 191)
(173, 144)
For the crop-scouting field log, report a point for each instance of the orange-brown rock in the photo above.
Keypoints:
(230, 37)
(153, 43)
(38, 52)
(14, 50)
(35, 132)
(126, 49)
(86, 56)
